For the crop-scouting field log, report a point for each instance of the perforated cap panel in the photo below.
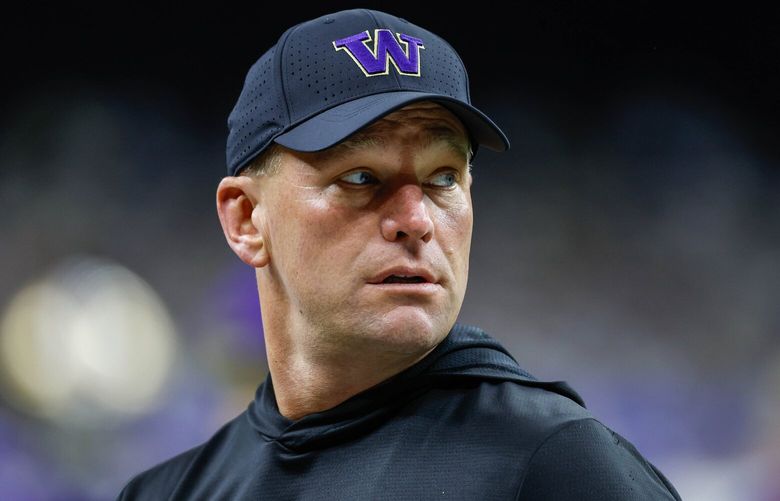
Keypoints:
(258, 115)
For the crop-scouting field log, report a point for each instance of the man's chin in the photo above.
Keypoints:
(408, 330)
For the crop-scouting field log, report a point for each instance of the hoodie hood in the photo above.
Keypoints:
(466, 353)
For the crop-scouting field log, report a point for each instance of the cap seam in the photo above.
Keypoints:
(280, 68)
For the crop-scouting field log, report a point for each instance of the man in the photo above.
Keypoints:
(349, 158)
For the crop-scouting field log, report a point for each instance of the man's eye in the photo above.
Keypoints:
(363, 178)
(360, 178)
(448, 179)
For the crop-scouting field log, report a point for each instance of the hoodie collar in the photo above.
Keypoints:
(466, 352)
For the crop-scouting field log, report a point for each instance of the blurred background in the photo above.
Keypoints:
(628, 243)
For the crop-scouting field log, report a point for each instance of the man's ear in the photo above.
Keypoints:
(237, 197)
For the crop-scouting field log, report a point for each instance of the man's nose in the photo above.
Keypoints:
(407, 216)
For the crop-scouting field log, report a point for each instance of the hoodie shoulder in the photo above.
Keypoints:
(560, 450)
(179, 474)
(585, 460)
(159, 481)
(533, 408)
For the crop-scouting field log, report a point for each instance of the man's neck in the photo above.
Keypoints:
(305, 385)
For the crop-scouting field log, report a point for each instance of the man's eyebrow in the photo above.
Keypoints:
(455, 142)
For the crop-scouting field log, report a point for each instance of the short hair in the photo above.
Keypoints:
(266, 163)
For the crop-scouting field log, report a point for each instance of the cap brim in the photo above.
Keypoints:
(336, 124)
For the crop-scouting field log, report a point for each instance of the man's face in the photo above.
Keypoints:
(395, 196)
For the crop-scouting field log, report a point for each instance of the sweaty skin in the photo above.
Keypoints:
(327, 223)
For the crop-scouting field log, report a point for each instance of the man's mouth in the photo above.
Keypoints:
(402, 274)
(400, 279)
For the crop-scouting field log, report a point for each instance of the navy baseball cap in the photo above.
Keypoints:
(329, 77)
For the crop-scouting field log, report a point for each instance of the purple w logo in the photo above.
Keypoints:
(386, 50)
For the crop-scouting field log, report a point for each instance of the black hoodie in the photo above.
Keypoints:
(466, 423)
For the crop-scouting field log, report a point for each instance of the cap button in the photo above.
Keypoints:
(328, 20)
